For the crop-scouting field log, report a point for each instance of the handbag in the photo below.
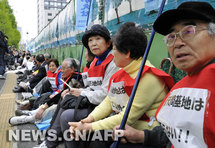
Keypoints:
(73, 102)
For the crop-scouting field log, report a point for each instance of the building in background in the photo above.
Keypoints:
(47, 10)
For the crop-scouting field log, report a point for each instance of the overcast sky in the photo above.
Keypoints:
(25, 12)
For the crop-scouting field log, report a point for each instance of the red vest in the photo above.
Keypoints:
(96, 73)
(53, 79)
(85, 76)
(85, 69)
(193, 100)
(127, 84)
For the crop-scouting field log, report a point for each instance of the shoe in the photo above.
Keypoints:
(22, 102)
(19, 80)
(24, 107)
(2, 77)
(21, 120)
(20, 89)
(20, 77)
(19, 72)
(16, 87)
(42, 145)
(22, 112)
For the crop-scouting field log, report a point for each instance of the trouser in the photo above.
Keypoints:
(60, 125)
(54, 134)
(2, 64)
(68, 116)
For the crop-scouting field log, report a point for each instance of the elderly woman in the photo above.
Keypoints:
(129, 45)
(187, 114)
(97, 40)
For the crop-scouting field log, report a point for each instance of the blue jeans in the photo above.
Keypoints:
(2, 64)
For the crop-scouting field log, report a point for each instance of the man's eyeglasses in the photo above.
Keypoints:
(186, 33)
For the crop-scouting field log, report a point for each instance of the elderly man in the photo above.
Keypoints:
(187, 113)
(68, 67)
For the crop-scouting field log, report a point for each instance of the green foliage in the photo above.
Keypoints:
(8, 24)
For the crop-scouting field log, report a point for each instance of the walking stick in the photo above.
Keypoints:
(82, 51)
(122, 126)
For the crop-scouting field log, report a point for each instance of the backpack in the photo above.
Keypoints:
(3, 42)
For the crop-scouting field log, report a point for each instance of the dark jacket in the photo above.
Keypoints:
(156, 138)
(56, 99)
(3, 43)
(39, 76)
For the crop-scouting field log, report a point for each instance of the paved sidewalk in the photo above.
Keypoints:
(7, 98)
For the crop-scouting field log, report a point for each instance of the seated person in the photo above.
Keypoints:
(35, 79)
(97, 40)
(67, 70)
(89, 56)
(129, 44)
(187, 113)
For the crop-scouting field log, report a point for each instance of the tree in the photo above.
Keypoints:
(8, 24)
(130, 5)
(116, 4)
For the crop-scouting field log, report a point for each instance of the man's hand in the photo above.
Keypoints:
(76, 92)
(129, 134)
(51, 96)
(64, 93)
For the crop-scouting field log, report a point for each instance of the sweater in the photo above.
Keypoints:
(150, 93)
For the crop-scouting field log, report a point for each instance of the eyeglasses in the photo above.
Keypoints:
(186, 33)
(64, 68)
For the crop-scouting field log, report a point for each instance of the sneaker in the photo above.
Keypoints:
(42, 145)
(21, 120)
(2, 77)
(22, 102)
(22, 112)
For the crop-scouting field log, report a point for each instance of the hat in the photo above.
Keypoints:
(187, 10)
(95, 30)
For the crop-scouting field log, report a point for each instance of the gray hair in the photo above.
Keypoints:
(72, 63)
(47, 55)
(211, 29)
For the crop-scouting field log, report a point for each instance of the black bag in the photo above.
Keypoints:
(73, 102)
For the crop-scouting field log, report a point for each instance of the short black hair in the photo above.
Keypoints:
(96, 29)
(28, 57)
(54, 61)
(130, 38)
(40, 58)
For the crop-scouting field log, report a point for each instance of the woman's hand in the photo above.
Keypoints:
(78, 127)
(89, 119)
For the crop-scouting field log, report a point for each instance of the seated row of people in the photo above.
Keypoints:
(109, 79)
